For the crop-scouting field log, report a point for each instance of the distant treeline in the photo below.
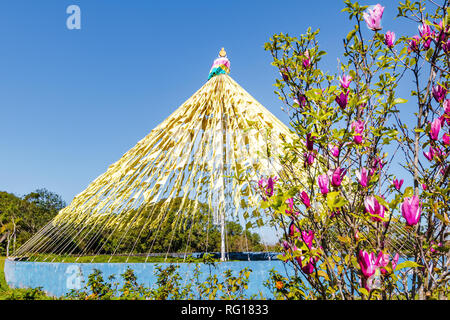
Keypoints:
(22, 217)
(153, 229)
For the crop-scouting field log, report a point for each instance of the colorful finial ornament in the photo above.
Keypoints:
(221, 65)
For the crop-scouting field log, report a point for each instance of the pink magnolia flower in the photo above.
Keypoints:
(367, 262)
(383, 260)
(398, 184)
(300, 100)
(373, 16)
(306, 61)
(432, 249)
(345, 81)
(445, 118)
(446, 46)
(374, 208)
(424, 186)
(285, 74)
(437, 151)
(439, 92)
(446, 106)
(435, 128)
(446, 139)
(290, 203)
(293, 230)
(429, 155)
(334, 150)
(411, 210)
(424, 31)
(323, 183)
(309, 266)
(337, 176)
(362, 177)
(389, 39)
(442, 32)
(342, 99)
(309, 142)
(434, 246)
(427, 43)
(395, 261)
(357, 139)
(309, 157)
(307, 238)
(305, 199)
(378, 163)
(358, 128)
(414, 44)
(267, 186)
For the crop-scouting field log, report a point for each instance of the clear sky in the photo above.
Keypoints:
(73, 101)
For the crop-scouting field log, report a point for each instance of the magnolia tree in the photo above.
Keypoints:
(352, 228)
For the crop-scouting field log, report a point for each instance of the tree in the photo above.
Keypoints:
(345, 217)
(22, 217)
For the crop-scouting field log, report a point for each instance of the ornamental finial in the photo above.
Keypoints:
(222, 53)
(221, 65)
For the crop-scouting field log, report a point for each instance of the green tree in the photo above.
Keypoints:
(22, 217)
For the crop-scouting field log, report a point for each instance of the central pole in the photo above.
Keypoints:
(222, 206)
(222, 235)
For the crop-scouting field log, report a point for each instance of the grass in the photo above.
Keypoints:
(3, 284)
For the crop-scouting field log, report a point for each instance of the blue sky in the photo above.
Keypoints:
(73, 101)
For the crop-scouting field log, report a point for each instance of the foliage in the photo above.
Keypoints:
(22, 217)
(24, 294)
(167, 286)
(345, 217)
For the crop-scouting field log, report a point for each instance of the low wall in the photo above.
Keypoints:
(57, 279)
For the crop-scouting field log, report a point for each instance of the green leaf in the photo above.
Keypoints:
(429, 54)
(323, 274)
(265, 204)
(260, 222)
(382, 202)
(409, 192)
(282, 257)
(400, 100)
(334, 201)
(364, 291)
(351, 34)
(407, 264)
(440, 217)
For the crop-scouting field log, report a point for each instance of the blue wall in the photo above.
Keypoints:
(57, 279)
